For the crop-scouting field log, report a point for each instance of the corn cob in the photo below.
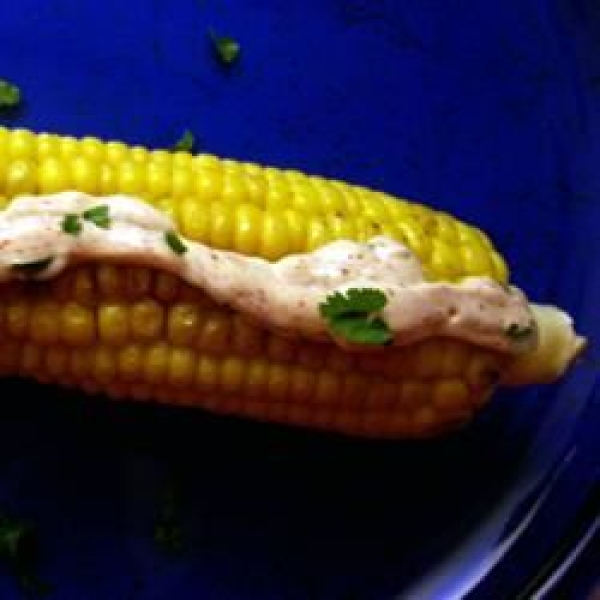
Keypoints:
(139, 333)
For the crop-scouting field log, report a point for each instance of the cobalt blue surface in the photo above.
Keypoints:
(489, 110)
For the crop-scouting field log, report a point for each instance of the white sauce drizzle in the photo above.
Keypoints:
(283, 295)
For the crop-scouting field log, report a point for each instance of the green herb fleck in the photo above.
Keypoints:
(168, 531)
(71, 224)
(516, 332)
(98, 215)
(33, 267)
(10, 95)
(355, 316)
(174, 242)
(226, 48)
(17, 540)
(19, 550)
(185, 143)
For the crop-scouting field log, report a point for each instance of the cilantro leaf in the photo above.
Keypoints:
(226, 48)
(10, 95)
(168, 526)
(366, 300)
(354, 316)
(98, 215)
(185, 143)
(362, 330)
(175, 243)
(19, 550)
(71, 224)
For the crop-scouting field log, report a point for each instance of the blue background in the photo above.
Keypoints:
(489, 110)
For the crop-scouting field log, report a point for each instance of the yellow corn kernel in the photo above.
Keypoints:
(451, 395)
(22, 144)
(55, 363)
(428, 358)
(31, 358)
(130, 178)
(139, 154)
(195, 219)
(215, 333)
(138, 283)
(182, 367)
(232, 375)
(77, 325)
(108, 179)
(183, 323)
(234, 188)
(114, 324)
(166, 287)
(20, 177)
(147, 320)
(381, 397)
(414, 394)
(302, 382)
(91, 148)
(256, 377)
(110, 282)
(328, 388)
(53, 175)
(155, 365)
(354, 389)
(9, 359)
(68, 146)
(221, 227)
(80, 364)
(83, 287)
(182, 180)
(103, 364)
(17, 319)
(130, 362)
(158, 182)
(424, 418)
(85, 174)
(246, 236)
(116, 152)
(274, 236)
(278, 381)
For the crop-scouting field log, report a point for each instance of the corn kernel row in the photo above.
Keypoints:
(242, 206)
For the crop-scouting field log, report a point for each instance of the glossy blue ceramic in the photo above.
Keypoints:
(489, 110)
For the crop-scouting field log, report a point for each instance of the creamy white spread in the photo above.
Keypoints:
(284, 295)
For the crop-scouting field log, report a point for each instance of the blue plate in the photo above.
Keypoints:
(488, 110)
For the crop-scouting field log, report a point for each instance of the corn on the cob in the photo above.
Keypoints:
(139, 333)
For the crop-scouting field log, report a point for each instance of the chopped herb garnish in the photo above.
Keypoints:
(168, 535)
(226, 48)
(517, 332)
(19, 550)
(71, 224)
(168, 530)
(17, 540)
(355, 316)
(98, 215)
(174, 242)
(33, 267)
(185, 143)
(10, 95)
